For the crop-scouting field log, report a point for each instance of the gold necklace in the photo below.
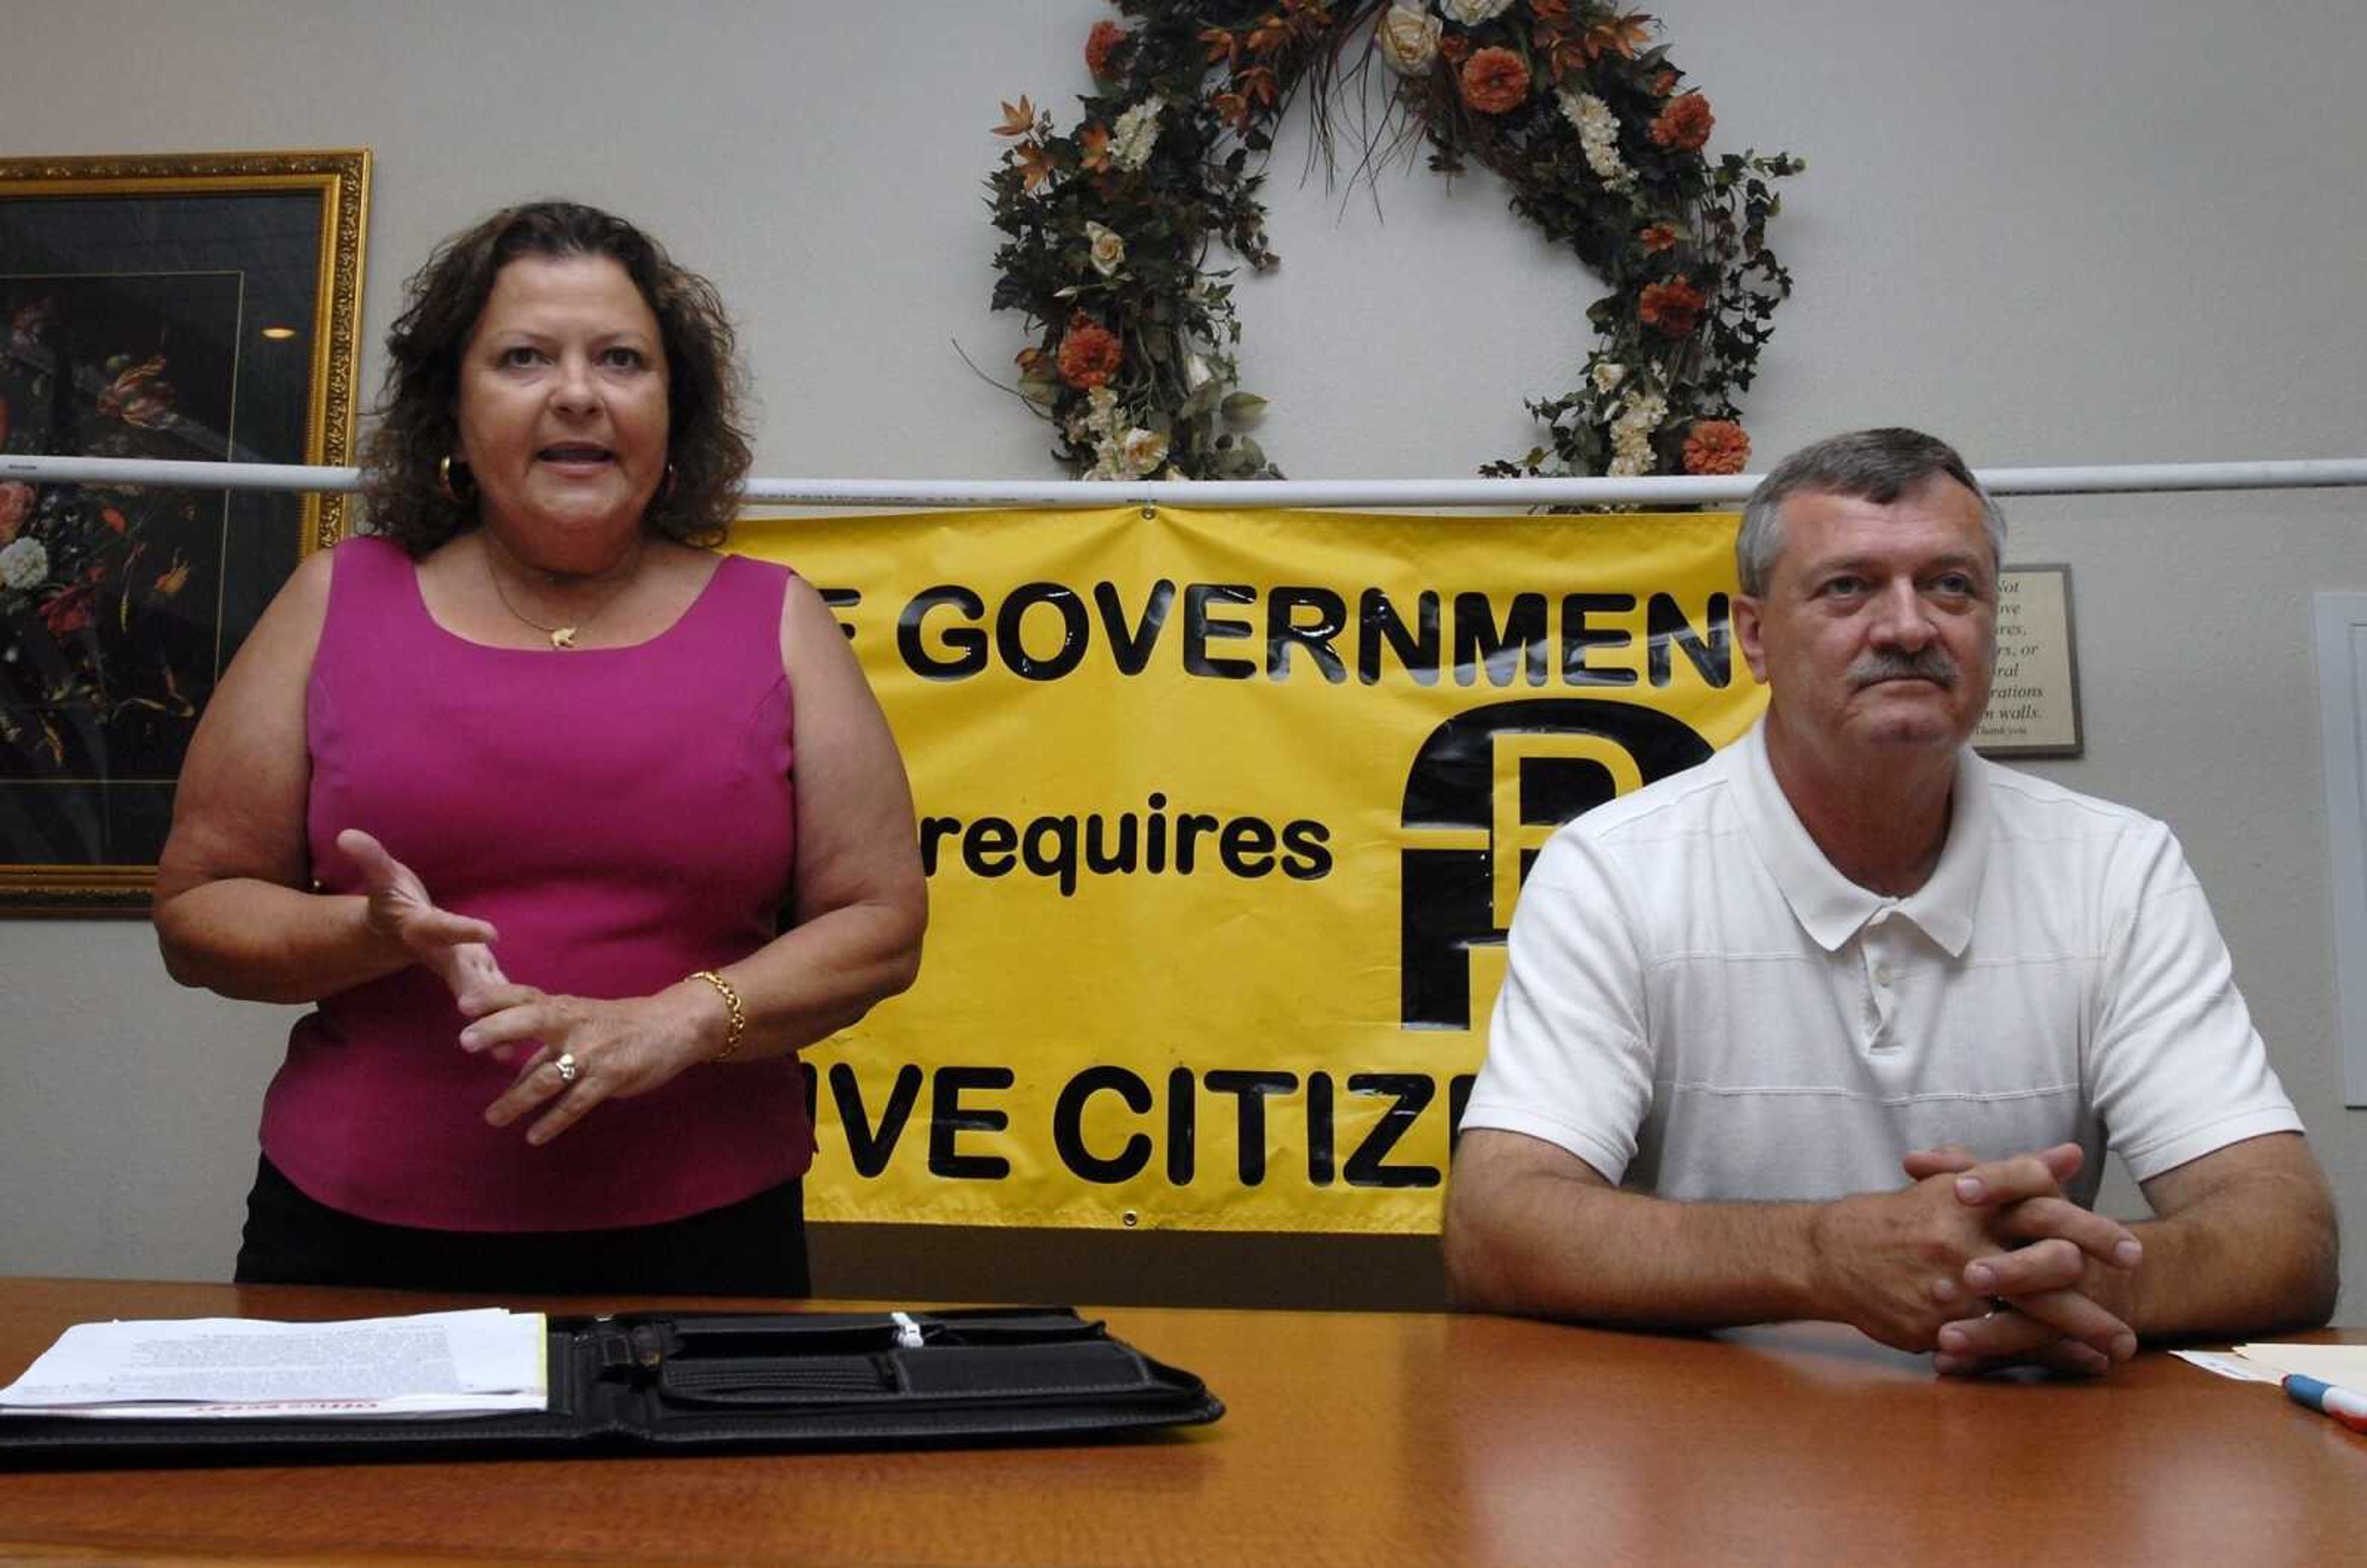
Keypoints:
(562, 638)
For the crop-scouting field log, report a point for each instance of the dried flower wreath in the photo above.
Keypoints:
(1109, 225)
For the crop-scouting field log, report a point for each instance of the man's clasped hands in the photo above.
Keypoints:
(1985, 1263)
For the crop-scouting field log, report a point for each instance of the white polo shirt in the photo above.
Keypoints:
(1699, 1006)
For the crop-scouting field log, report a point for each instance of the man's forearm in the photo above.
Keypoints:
(2248, 1255)
(1543, 1246)
(1531, 1229)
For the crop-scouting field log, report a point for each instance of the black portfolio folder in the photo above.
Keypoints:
(655, 1383)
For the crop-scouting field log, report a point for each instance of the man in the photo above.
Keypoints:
(1839, 1024)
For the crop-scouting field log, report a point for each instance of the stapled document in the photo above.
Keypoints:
(480, 1362)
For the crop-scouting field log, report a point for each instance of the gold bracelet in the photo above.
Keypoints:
(739, 1024)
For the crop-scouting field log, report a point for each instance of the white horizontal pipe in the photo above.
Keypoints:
(1245, 492)
(2314, 474)
(157, 472)
(1683, 491)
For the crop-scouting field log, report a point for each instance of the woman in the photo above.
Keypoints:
(615, 758)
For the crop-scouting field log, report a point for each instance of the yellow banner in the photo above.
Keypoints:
(1225, 814)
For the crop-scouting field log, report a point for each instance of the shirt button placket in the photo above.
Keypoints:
(1879, 974)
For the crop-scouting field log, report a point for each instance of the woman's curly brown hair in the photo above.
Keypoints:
(414, 427)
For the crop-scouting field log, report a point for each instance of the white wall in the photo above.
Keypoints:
(2125, 230)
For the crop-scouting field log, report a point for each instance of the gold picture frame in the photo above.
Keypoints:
(192, 305)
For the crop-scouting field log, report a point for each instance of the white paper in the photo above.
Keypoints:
(2342, 1364)
(2227, 1364)
(448, 1364)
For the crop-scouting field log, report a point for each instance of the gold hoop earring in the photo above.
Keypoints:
(443, 470)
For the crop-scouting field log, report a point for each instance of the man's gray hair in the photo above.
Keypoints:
(1879, 466)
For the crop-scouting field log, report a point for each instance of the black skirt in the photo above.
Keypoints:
(753, 1247)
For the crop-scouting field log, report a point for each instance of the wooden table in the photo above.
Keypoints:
(1352, 1439)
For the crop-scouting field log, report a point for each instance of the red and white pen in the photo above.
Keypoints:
(2345, 1407)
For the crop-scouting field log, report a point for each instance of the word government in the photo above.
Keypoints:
(1234, 631)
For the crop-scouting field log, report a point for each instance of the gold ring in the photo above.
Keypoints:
(566, 1065)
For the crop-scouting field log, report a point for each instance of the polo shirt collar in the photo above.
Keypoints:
(1830, 908)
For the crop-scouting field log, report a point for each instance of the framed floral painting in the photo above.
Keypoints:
(192, 306)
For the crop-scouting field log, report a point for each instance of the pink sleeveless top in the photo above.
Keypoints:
(623, 817)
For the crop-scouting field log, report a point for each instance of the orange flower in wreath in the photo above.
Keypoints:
(1495, 81)
(1018, 120)
(1657, 236)
(1621, 36)
(1090, 353)
(1672, 306)
(1716, 447)
(1100, 44)
(1034, 162)
(1685, 124)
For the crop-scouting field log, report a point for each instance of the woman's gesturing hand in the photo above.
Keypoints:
(580, 1050)
(456, 948)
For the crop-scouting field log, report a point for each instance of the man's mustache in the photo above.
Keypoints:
(1931, 662)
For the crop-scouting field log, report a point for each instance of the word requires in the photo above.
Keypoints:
(1055, 847)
